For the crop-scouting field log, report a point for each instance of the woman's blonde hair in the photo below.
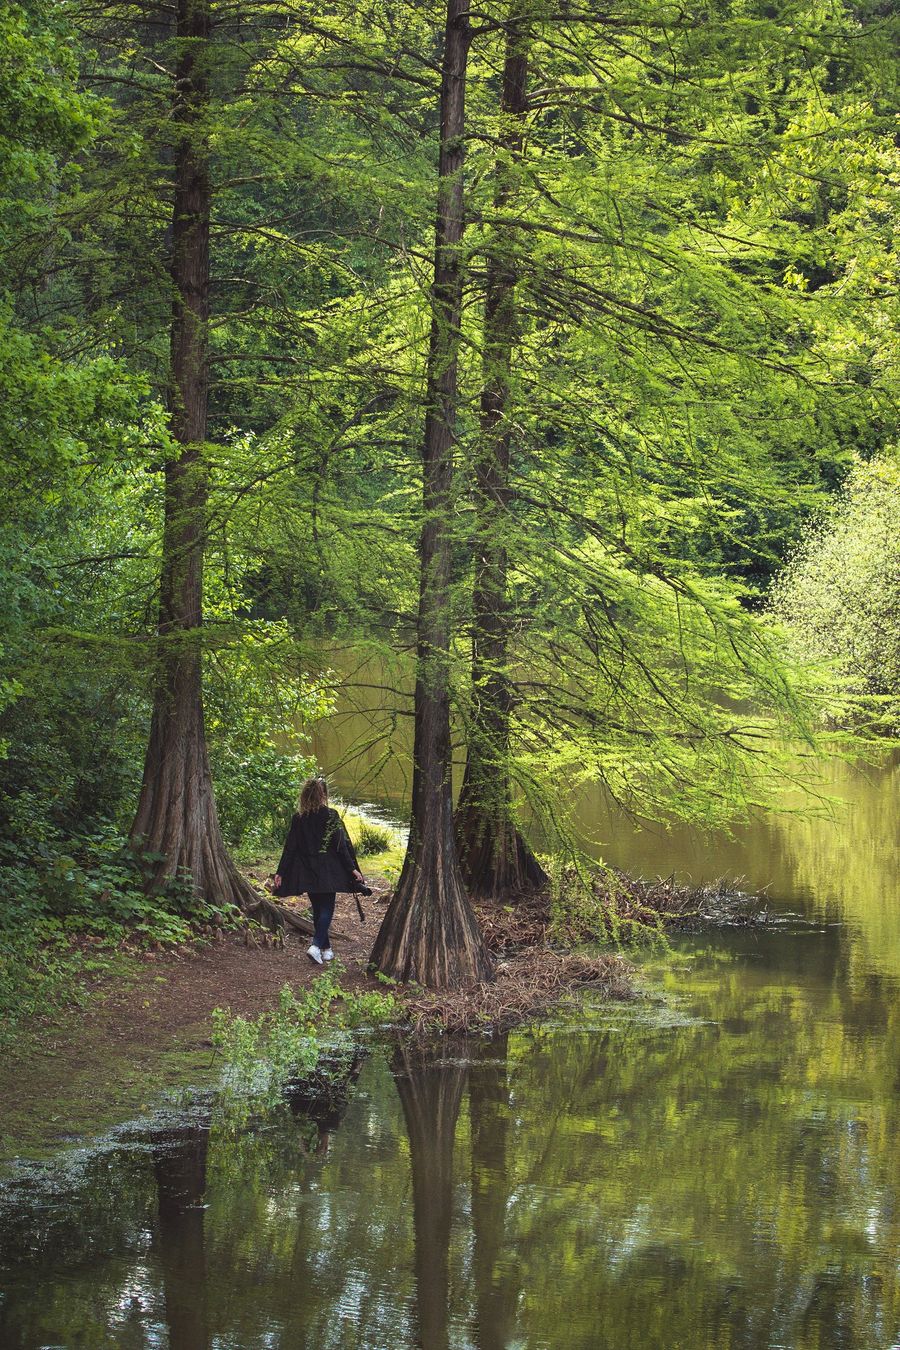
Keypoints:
(313, 796)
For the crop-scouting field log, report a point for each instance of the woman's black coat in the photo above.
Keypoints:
(318, 855)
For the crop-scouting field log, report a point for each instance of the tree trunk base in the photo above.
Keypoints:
(429, 933)
(496, 862)
(176, 827)
(279, 918)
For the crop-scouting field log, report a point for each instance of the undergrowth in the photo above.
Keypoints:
(372, 838)
(70, 907)
(288, 1042)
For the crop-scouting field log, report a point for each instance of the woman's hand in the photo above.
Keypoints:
(276, 881)
(359, 876)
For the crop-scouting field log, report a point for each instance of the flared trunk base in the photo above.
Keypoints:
(429, 933)
(496, 862)
(176, 828)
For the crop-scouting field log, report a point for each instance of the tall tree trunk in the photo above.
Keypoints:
(176, 817)
(430, 933)
(430, 1093)
(496, 860)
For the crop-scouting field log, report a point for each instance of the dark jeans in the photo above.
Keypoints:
(323, 913)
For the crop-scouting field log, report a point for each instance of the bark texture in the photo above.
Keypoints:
(430, 933)
(176, 818)
(496, 860)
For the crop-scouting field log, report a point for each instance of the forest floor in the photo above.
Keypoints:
(147, 1026)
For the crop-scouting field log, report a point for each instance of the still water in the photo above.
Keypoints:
(717, 1165)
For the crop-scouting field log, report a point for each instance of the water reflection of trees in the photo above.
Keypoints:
(729, 1183)
(430, 1091)
(495, 1267)
(730, 1180)
(179, 1162)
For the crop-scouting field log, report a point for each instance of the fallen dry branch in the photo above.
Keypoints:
(667, 904)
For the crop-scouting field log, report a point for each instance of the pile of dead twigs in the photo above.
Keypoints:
(671, 905)
(531, 976)
(526, 985)
(530, 940)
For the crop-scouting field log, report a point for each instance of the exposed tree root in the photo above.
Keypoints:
(277, 917)
(429, 933)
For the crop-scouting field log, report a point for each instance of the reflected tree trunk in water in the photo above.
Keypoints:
(430, 1093)
(496, 1283)
(179, 1160)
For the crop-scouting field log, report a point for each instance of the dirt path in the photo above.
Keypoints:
(92, 1067)
(150, 1029)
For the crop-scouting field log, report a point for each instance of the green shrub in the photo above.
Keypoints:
(839, 596)
(263, 1052)
(39, 972)
(257, 697)
(371, 839)
(256, 792)
(75, 745)
(68, 906)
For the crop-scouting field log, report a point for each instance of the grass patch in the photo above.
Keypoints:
(43, 969)
(372, 839)
(381, 849)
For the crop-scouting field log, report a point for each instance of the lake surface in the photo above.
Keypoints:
(715, 1166)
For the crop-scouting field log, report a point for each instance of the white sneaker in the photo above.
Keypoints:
(328, 954)
(314, 954)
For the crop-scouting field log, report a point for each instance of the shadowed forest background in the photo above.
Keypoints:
(546, 401)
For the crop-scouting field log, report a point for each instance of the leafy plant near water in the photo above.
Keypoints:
(40, 972)
(261, 1053)
(592, 906)
(372, 838)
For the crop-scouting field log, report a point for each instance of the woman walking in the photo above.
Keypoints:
(318, 858)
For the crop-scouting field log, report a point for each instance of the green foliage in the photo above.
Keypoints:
(589, 905)
(370, 838)
(40, 972)
(72, 904)
(839, 595)
(261, 1053)
(255, 682)
(94, 884)
(41, 111)
(701, 224)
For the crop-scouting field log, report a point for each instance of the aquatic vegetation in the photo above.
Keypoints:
(371, 838)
